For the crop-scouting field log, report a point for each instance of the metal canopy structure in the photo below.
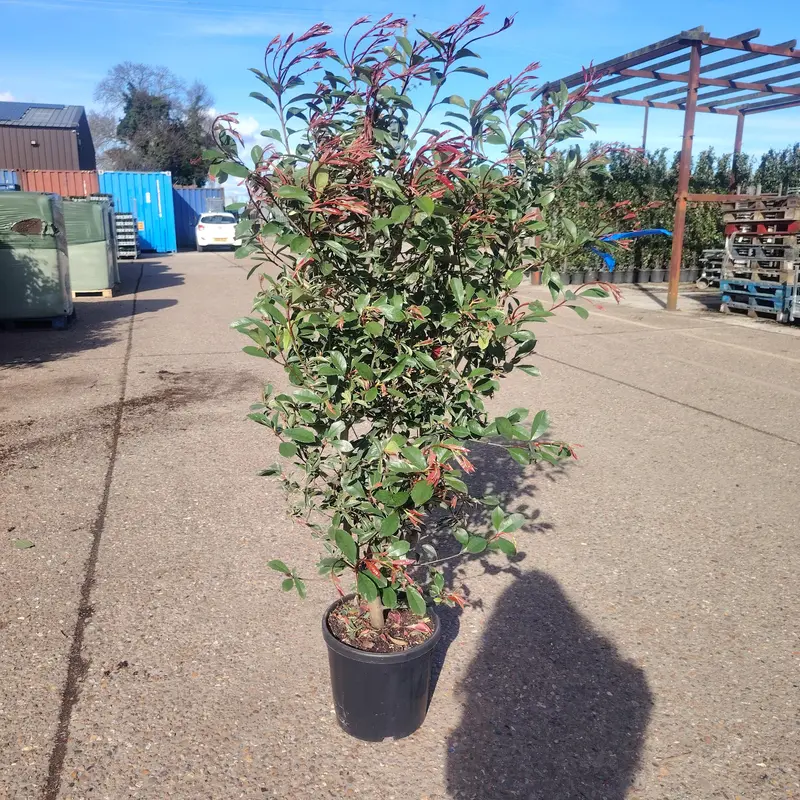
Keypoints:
(708, 86)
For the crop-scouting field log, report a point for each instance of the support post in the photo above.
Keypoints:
(684, 171)
(644, 129)
(737, 148)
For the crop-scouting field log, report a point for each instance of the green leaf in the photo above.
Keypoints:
(364, 370)
(272, 133)
(392, 313)
(390, 525)
(421, 493)
(476, 544)
(287, 449)
(415, 601)
(457, 288)
(400, 214)
(371, 394)
(294, 193)
(373, 328)
(506, 546)
(23, 544)
(497, 518)
(304, 435)
(541, 422)
(461, 536)
(519, 455)
(425, 360)
(529, 369)
(455, 100)
(397, 370)
(306, 396)
(339, 361)
(388, 184)
(237, 170)
(389, 597)
(300, 244)
(504, 427)
(301, 588)
(344, 541)
(570, 227)
(580, 311)
(398, 549)
(366, 587)
(405, 44)
(473, 71)
(512, 523)
(278, 566)
(287, 585)
(254, 351)
(414, 455)
(425, 203)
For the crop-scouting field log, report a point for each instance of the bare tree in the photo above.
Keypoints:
(153, 79)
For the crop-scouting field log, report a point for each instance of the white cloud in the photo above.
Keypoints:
(6, 97)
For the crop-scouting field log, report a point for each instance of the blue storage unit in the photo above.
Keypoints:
(9, 180)
(148, 196)
(189, 205)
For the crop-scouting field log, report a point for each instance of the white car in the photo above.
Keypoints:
(216, 229)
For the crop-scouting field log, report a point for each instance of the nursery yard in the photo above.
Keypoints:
(644, 647)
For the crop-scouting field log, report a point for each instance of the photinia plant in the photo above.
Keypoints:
(393, 224)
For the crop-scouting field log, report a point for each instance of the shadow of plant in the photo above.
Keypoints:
(551, 711)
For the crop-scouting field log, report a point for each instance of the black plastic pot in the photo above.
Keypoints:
(684, 275)
(576, 278)
(626, 276)
(380, 695)
(657, 275)
(605, 276)
(643, 275)
(590, 276)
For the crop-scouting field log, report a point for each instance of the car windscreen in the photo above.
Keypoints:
(218, 219)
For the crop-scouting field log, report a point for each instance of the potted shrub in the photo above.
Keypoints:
(643, 275)
(657, 274)
(388, 296)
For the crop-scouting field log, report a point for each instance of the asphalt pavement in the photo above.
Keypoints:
(642, 645)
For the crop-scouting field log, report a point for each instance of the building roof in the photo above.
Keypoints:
(40, 115)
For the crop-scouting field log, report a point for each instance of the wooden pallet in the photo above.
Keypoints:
(96, 293)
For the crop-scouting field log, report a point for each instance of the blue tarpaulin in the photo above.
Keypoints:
(612, 237)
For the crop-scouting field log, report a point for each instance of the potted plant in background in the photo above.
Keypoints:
(388, 296)
(657, 274)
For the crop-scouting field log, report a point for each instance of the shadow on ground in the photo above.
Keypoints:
(97, 320)
(552, 712)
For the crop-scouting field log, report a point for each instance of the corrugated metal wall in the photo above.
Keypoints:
(189, 205)
(9, 180)
(148, 196)
(54, 149)
(67, 183)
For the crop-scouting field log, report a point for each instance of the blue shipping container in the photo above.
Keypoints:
(189, 205)
(148, 196)
(9, 179)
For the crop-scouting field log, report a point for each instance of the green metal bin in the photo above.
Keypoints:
(90, 238)
(34, 265)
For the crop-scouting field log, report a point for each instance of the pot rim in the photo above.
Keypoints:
(365, 656)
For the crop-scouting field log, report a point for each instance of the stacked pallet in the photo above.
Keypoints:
(711, 268)
(126, 236)
(762, 256)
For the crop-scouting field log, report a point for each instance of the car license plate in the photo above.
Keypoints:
(221, 240)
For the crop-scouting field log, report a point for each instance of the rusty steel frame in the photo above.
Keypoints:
(691, 45)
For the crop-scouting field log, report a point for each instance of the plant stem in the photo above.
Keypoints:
(376, 613)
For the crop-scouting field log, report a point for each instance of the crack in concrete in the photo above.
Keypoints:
(77, 666)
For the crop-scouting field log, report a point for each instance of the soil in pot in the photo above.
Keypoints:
(380, 695)
(349, 623)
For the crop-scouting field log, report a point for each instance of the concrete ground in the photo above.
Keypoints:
(643, 646)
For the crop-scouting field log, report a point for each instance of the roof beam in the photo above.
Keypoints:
(742, 97)
(620, 101)
(744, 73)
(768, 105)
(753, 47)
(683, 58)
(662, 48)
(670, 77)
(704, 98)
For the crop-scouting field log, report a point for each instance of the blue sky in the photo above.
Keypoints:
(72, 43)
